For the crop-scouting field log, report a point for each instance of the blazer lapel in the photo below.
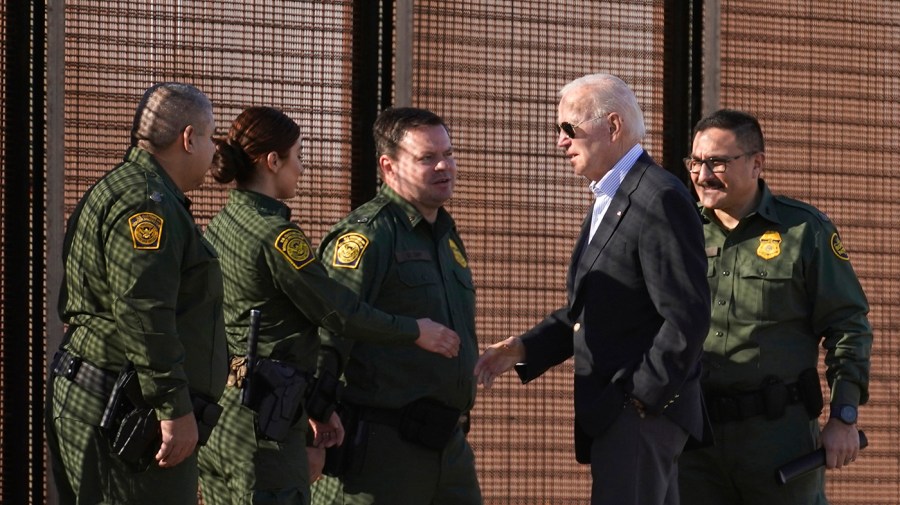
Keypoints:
(618, 207)
(577, 253)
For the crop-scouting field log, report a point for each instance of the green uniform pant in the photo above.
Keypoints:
(89, 473)
(740, 468)
(393, 471)
(237, 468)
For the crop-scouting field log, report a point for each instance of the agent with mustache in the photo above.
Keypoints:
(781, 284)
(402, 254)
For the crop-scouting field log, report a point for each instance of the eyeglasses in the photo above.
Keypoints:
(569, 128)
(715, 164)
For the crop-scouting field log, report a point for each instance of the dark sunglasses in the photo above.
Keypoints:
(569, 128)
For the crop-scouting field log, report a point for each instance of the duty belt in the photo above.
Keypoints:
(741, 406)
(394, 417)
(81, 372)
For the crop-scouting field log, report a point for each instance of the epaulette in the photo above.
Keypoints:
(366, 213)
(797, 204)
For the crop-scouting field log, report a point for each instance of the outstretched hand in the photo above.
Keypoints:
(437, 338)
(497, 359)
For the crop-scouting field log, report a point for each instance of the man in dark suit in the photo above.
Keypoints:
(638, 305)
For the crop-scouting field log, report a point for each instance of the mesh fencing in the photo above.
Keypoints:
(823, 79)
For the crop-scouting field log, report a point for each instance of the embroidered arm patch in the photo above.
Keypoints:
(293, 245)
(349, 249)
(146, 230)
(837, 247)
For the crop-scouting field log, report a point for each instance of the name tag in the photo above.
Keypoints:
(413, 255)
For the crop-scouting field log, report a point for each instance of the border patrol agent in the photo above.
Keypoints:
(781, 284)
(269, 264)
(141, 286)
(401, 252)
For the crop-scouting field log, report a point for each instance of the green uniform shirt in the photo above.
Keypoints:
(142, 285)
(400, 263)
(781, 282)
(268, 264)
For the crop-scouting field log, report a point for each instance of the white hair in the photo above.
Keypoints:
(607, 93)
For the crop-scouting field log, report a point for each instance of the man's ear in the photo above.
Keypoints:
(386, 165)
(615, 124)
(759, 161)
(187, 138)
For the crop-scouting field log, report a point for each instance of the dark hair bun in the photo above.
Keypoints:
(230, 160)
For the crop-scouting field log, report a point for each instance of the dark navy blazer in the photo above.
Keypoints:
(638, 309)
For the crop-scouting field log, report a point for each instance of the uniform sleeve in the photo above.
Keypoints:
(144, 250)
(547, 344)
(354, 260)
(839, 314)
(326, 302)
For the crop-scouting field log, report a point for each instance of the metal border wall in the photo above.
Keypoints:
(824, 81)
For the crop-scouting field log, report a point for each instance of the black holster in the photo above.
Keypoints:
(277, 392)
(429, 423)
(339, 459)
(130, 422)
(322, 396)
(775, 397)
(810, 390)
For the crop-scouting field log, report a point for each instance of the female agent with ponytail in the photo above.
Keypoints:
(269, 264)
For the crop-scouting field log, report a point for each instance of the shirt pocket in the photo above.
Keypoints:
(420, 284)
(767, 293)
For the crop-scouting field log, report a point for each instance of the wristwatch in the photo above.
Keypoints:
(844, 413)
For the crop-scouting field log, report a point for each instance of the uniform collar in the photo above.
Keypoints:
(262, 203)
(145, 159)
(413, 216)
(766, 208)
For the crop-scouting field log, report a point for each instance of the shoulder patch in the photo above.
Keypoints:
(457, 254)
(348, 250)
(146, 230)
(293, 245)
(837, 247)
(366, 213)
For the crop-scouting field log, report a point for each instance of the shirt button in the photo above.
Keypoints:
(719, 333)
(763, 273)
(576, 327)
(726, 273)
(720, 302)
